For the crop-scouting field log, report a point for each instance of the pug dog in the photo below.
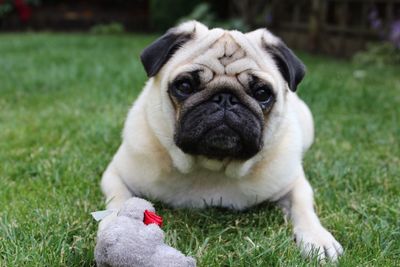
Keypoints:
(218, 123)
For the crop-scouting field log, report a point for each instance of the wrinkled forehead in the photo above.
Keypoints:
(225, 56)
(221, 52)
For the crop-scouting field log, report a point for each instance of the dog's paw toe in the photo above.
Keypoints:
(318, 243)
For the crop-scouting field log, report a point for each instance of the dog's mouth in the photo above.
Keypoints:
(220, 142)
(219, 134)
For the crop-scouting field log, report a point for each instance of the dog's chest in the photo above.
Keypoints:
(204, 188)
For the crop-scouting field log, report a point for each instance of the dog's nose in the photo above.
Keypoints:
(225, 99)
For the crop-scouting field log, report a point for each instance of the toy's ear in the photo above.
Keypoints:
(160, 51)
(290, 66)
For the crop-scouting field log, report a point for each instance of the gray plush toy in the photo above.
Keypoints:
(128, 241)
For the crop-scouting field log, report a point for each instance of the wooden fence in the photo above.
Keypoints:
(338, 27)
(81, 15)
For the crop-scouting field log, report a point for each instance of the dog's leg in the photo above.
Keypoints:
(116, 193)
(310, 235)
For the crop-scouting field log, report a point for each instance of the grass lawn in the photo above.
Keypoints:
(63, 101)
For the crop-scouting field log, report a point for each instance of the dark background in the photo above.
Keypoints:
(335, 27)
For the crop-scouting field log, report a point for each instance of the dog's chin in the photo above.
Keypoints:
(220, 142)
(216, 133)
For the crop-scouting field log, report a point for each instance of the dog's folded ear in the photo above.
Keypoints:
(290, 66)
(161, 50)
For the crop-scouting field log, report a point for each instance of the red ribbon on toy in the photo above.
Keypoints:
(151, 217)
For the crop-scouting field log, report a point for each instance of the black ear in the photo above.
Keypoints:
(161, 50)
(292, 69)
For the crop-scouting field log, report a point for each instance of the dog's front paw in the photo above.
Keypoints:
(318, 242)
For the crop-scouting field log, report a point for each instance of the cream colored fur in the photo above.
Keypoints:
(149, 164)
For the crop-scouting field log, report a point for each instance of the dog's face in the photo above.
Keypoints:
(227, 89)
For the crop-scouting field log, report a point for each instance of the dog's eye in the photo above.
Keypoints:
(183, 88)
(263, 94)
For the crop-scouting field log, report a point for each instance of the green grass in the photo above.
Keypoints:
(63, 101)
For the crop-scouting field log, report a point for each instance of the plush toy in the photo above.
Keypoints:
(134, 238)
